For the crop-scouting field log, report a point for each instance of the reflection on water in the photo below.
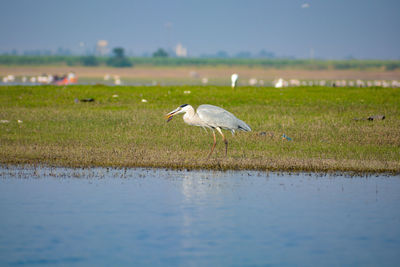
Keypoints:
(116, 217)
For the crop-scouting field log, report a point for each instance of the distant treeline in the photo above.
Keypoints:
(18, 60)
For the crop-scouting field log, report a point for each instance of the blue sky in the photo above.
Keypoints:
(332, 29)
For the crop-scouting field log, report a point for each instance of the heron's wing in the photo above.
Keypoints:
(215, 116)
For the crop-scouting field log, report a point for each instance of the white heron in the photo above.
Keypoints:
(234, 79)
(212, 117)
(279, 84)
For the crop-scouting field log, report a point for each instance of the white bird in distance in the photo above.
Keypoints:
(279, 83)
(234, 79)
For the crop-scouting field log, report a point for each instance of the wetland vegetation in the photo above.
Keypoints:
(328, 127)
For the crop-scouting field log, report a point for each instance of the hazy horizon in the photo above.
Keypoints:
(288, 28)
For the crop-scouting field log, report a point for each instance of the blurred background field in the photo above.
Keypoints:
(199, 75)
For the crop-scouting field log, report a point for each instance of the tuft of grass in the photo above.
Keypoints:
(125, 132)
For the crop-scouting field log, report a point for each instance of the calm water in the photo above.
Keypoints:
(109, 217)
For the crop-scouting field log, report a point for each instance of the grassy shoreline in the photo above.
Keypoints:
(122, 131)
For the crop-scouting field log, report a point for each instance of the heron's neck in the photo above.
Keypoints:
(190, 113)
(191, 117)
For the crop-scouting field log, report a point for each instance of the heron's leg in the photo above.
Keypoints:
(215, 142)
(225, 141)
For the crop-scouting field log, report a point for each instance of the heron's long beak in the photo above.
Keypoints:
(170, 115)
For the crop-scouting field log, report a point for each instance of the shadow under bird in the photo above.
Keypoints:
(212, 117)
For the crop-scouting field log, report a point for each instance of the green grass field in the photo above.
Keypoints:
(125, 132)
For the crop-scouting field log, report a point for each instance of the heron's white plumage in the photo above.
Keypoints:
(215, 116)
(212, 117)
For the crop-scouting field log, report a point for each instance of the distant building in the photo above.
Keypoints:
(102, 48)
(180, 51)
